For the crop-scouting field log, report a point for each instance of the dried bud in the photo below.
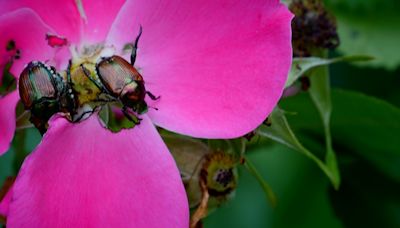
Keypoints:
(210, 176)
(313, 27)
(219, 174)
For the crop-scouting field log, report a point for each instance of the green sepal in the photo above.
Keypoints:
(300, 66)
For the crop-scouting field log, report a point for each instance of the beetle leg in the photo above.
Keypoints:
(131, 117)
(39, 123)
(82, 115)
(87, 74)
(134, 49)
(105, 100)
(152, 96)
(69, 80)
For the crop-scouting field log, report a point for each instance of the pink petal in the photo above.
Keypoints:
(219, 66)
(56, 41)
(82, 175)
(5, 203)
(100, 15)
(7, 120)
(28, 32)
(63, 16)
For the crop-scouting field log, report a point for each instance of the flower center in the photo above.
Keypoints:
(95, 81)
(82, 77)
(99, 78)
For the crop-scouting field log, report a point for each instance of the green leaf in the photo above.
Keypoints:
(320, 94)
(281, 132)
(7, 81)
(371, 128)
(115, 120)
(265, 186)
(364, 126)
(364, 79)
(366, 198)
(6, 164)
(370, 28)
(302, 65)
(365, 134)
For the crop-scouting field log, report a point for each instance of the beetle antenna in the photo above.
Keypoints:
(152, 96)
(153, 108)
(135, 46)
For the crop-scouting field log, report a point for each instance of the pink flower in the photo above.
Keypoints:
(219, 66)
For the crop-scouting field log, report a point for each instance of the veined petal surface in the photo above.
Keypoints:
(82, 175)
(219, 66)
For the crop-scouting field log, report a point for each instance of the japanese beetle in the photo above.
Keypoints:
(43, 92)
(122, 81)
(119, 79)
